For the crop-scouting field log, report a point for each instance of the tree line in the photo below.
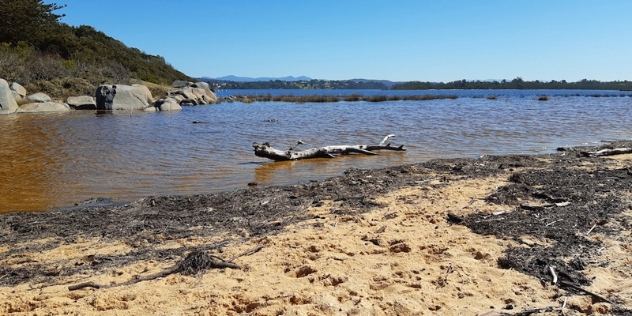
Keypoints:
(517, 83)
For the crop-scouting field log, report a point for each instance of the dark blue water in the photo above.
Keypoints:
(55, 160)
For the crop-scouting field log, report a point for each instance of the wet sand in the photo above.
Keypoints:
(445, 237)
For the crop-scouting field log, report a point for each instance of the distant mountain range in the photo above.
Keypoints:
(250, 79)
(232, 78)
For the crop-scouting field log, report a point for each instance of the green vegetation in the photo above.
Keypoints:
(331, 98)
(43, 54)
(516, 83)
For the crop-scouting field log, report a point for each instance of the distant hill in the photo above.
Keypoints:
(290, 82)
(387, 83)
(49, 56)
(249, 79)
(296, 83)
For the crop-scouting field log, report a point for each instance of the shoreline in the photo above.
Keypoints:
(418, 238)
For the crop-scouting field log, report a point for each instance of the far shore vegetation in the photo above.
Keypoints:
(356, 97)
(515, 84)
(331, 98)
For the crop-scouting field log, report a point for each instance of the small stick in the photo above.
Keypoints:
(224, 264)
(591, 229)
(552, 270)
(246, 253)
(553, 222)
(468, 204)
(450, 270)
(299, 142)
(564, 305)
(82, 285)
(385, 139)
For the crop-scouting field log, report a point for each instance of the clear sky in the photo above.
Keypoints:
(395, 40)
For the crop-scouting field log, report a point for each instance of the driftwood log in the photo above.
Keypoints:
(607, 152)
(265, 150)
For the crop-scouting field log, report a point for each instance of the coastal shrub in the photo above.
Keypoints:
(69, 64)
(62, 88)
(46, 67)
(376, 98)
(352, 97)
(264, 97)
(427, 97)
(321, 98)
(317, 99)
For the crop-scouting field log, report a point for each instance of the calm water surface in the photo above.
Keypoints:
(51, 161)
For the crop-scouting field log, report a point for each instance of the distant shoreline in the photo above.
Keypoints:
(358, 97)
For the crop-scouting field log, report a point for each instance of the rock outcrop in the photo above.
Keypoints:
(123, 97)
(18, 91)
(38, 98)
(84, 102)
(181, 84)
(41, 102)
(7, 101)
(192, 93)
(107, 97)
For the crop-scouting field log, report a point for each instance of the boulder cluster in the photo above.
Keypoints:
(106, 97)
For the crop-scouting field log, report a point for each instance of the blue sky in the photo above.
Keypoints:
(395, 40)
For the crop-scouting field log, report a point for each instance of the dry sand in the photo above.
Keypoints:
(402, 258)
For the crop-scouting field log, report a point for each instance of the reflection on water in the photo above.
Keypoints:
(50, 161)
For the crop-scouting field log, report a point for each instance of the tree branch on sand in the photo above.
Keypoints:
(607, 152)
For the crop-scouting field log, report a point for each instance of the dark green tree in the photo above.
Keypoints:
(31, 21)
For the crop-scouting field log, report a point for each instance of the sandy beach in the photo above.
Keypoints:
(512, 235)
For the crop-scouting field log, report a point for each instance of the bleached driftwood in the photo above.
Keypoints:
(607, 152)
(265, 150)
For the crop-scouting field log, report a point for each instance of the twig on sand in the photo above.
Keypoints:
(552, 270)
(246, 253)
(551, 223)
(591, 229)
(445, 279)
(194, 262)
(535, 310)
(606, 152)
(82, 285)
(580, 289)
